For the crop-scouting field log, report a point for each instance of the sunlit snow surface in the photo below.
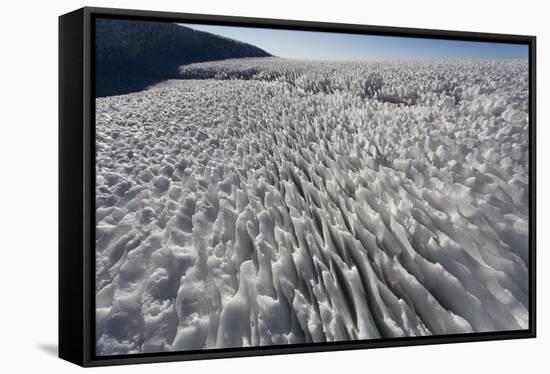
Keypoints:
(270, 201)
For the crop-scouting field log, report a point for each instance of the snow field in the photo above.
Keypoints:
(269, 201)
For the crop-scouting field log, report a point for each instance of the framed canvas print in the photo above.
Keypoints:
(235, 186)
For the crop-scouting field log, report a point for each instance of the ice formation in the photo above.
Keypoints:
(270, 201)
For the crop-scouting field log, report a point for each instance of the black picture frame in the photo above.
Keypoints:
(77, 188)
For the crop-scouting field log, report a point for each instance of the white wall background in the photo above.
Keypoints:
(28, 183)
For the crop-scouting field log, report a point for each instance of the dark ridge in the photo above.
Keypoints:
(131, 55)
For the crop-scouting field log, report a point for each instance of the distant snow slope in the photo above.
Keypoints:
(131, 55)
(278, 202)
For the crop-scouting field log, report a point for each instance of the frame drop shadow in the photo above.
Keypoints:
(49, 348)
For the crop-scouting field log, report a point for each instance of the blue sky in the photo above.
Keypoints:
(335, 46)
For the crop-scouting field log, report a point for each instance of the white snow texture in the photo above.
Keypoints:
(268, 201)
